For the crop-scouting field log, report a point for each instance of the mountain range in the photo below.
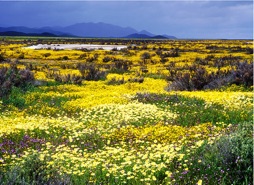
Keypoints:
(94, 30)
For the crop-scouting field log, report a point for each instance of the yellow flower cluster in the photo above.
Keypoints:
(162, 133)
(140, 158)
(96, 130)
(231, 100)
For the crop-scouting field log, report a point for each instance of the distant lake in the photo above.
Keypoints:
(76, 46)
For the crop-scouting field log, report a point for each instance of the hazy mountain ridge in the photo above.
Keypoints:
(44, 34)
(27, 30)
(144, 36)
(84, 30)
(146, 33)
(98, 30)
(137, 35)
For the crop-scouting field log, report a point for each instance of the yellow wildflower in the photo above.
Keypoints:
(199, 182)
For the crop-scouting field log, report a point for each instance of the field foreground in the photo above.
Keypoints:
(139, 124)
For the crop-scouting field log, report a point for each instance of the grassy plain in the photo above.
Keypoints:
(114, 117)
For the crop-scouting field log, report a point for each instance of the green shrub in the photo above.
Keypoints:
(193, 111)
(33, 171)
(227, 161)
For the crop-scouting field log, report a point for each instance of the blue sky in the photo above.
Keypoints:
(183, 19)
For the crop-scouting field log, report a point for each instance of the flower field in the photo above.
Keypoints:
(123, 117)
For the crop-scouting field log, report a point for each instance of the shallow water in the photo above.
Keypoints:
(76, 46)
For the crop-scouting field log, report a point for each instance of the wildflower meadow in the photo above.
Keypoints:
(157, 112)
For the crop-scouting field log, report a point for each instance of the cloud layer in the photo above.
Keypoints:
(183, 19)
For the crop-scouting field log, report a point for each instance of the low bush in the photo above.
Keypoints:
(198, 78)
(243, 75)
(21, 56)
(33, 171)
(68, 78)
(2, 58)
(106, 59)
(120, 66)
(193, 111)
(14, 77)
(71, 79)
(91, 72)
(229, 160)
(249, 50)
(115, 81)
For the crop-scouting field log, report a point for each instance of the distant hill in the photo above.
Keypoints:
(144, 36)
(159, 37)
(146, 33)
(23, 29)
(15, 33)
(137, 36)
(96, 30)
(12, 33)
(169, 36)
